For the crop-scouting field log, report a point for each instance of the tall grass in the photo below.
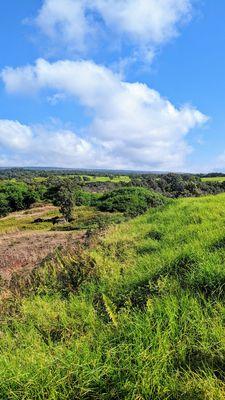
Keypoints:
(141, 316)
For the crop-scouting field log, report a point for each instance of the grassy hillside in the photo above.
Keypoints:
(140, 316)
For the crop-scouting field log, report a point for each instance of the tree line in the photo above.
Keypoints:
(69, 191)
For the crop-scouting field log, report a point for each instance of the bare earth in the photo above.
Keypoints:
(21, 251)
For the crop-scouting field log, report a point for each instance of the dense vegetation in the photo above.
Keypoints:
(15, 196)
(138, 315)
(138, 312)
(23, 187)
(131, 200)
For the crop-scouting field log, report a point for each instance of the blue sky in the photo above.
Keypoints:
(133, 85)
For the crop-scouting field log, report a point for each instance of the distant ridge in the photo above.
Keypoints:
(101, 170)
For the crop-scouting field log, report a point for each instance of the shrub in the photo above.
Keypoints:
(130, 200)
(83, 198)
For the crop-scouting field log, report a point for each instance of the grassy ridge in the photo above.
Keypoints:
(139, 317)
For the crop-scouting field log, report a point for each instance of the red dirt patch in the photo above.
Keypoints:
(23, 251)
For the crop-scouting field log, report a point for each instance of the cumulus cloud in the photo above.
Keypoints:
(64, 21)
(14, 136)
(145, 23)
(132, 125)
(151, 21)
(41, 145)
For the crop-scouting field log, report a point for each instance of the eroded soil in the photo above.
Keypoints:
(24, 249)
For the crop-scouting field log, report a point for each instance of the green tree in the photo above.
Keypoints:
(4, 206)
(66, 201)
(18, 195)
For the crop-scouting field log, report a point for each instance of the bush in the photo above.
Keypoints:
(130, 200)
(83, 198)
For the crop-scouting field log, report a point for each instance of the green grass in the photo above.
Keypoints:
(21, 221)
(139, 317)
(214, 179)
(24, 220)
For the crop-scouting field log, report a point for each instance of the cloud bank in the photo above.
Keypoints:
(132, 125)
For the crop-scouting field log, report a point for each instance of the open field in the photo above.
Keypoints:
(24, 220)
(214, 179)
(24, 243)
(140, 316)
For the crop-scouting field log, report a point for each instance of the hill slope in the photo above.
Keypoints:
(141, 316)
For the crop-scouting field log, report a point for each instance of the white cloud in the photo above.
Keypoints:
(132, 126)
(40, 145)
(151, 21)
(14, 136)
(64, 21)
(145, 23)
